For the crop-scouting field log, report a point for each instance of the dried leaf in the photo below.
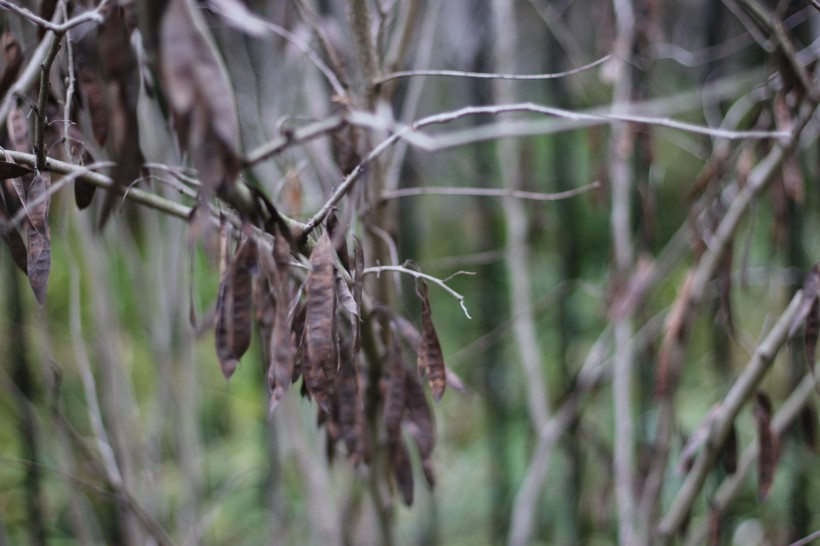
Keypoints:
(320, 371)
(13, 57)
(10, 169)
(767, 443)
(402, 470)
(234, 323)
(430, 358)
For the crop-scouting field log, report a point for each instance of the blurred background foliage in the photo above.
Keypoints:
(207, 465)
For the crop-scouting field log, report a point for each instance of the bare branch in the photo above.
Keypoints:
(303, 134)
(93, 16)
(142, 197)
(743, 388)
(731, 485)
(490, 75)
(42, 97)
(420, 275)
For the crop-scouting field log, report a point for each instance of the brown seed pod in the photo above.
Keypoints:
(320, 372)
(430, 357)
(234, 323)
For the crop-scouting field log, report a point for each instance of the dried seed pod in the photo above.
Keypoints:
(420, 423)
(395, 399)
(320, 371)
(349, 402)
(39, 237)
(430, 357)
(420, 418)
(402, 470)
(234, 323)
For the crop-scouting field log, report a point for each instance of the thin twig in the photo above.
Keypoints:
(420, 275)
(289, 138)
(42, 97)
(93, 16)
(490, 192)
(491, 75)
(69, 95)
(815, 535)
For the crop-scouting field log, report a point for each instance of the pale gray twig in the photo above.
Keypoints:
(419, 275)
(491, 75)
(92, 16)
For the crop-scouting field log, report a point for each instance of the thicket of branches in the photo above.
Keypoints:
(628, 184)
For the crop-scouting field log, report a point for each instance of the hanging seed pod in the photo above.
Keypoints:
(430, 357)
(320, 371)
(234, 323)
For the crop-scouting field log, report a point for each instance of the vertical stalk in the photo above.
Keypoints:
(620, 151)
(517, 254)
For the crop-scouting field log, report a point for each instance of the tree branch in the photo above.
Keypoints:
(738, 395)
(782, 420)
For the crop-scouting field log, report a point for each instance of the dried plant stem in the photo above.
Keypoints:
(92, 16)
(731, 486)
(490, 75)
(45, 84)
(621, 145)
(303, 134)
(738, 395)
(515, 217)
